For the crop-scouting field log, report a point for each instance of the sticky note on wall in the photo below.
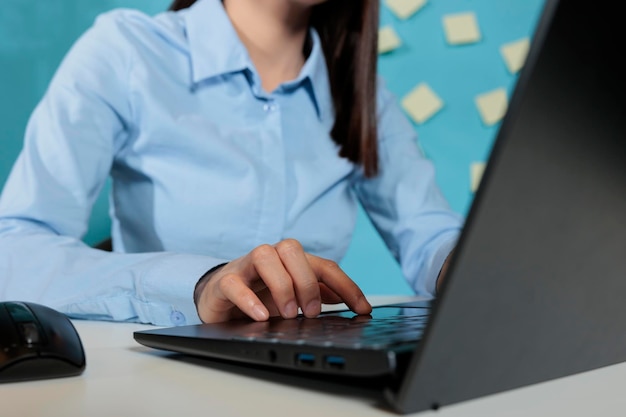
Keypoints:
(388, 39)
(461, 28)
(404, 9)
(514, 54)
(492, 105)
(476, 174)
(421, 103)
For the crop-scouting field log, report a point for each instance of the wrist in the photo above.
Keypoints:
(203, 281)
(443, 272)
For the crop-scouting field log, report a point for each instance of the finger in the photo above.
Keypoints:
(329, 273)
(329, 296)
(234, 289)
(270, 269)
(304, 280)
(266, 298)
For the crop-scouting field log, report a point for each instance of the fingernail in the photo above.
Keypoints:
(260, 313)
(313, 309)
(291, 309)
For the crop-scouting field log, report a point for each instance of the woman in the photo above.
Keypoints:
(239, 136)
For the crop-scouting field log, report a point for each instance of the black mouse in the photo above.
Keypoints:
(37, 342)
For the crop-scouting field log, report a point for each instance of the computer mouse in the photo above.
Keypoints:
(37, 342)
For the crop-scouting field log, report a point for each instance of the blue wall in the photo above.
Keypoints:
(35, 34)
(455, 136)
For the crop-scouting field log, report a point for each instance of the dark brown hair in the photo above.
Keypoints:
(349, 34)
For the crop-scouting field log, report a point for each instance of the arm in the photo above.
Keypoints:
(405, 204)
(69, 146)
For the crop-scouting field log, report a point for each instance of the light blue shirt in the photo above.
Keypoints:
(204, 166)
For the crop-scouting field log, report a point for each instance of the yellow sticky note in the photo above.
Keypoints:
(461, 28)
(514, 54)
(421, 103)
(492, 105)
(388, 39)
(405, 8)
(476, 174)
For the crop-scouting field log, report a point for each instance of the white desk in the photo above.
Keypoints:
(123, 378)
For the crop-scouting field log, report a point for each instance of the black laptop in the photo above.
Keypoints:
(536, 289)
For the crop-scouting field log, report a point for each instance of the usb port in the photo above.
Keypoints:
(335, 361)
(305, 359)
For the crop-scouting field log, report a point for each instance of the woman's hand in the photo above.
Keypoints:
(276, 280)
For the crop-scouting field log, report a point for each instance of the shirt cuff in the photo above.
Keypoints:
(167, 289)
(438, 259)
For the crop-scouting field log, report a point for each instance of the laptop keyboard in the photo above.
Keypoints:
(341, 331)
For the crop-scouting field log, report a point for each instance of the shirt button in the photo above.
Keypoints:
(268, 107)
(177, 318)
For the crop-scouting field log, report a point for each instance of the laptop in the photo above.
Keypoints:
(535, 290)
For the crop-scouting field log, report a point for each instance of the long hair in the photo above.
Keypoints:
(348, 31)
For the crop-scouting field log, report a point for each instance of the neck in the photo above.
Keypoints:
(273, 32)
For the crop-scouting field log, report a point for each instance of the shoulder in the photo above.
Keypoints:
(383, 95)
(392, 120)
(131, 28)
(119, 38)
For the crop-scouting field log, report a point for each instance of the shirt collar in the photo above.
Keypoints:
(314, 76)
(216, 49)
(214, 45)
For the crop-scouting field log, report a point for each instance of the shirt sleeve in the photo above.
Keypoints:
(69, 146)
(404, 202)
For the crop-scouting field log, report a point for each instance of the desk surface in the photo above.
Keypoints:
(123, 378)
